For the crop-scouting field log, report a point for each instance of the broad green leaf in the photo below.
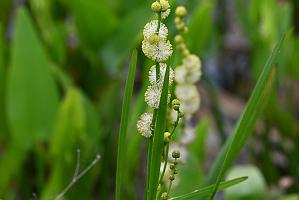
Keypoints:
(31, 95)
(253, 188)
(203, 192)
(246, 123)
(121, 155)
(157, 144)
(71, 125)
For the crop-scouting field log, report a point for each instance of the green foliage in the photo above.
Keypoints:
(121, 156)
(157, 146)
(31, 96)
(203, 192)
(247, 121)
(253, 188)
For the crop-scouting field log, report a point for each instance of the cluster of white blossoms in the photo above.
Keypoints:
(155, 44)
(156, 47)
(189, 72)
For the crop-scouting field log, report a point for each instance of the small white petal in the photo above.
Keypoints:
(144, 124)
(151, 28)
(153, 94)
(165, 14)
(152, 74)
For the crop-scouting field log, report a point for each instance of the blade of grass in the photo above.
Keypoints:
(208, 190)
(124, 125)
(247, 121)
(157, 145)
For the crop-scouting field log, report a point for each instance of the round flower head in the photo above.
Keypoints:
(153, 94)
(180, 74)
(186, 92)
(151, 28)
(159, 52)
(152, 74)
(192, 62)
(165, 14)
(189, 97)
(190, 106)
(144, 124)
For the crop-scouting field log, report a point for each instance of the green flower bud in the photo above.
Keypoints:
(177, 20)
(181, 11)
(164, 4)
(180, 26)
(176, 154)
(164, 196)
(176, 104)
(186, 52)
(156, 7)
(172, 166)
(181, 114)
(154, 39)
(178, 39)
(167, 137)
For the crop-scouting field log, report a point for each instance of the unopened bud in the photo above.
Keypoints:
(181, 11)
(156, 7)
(167, 137)
(164, 4)
(176, 154)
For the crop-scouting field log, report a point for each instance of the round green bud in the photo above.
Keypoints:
(176, 104)
(167, 137)
(176, 154)
(181, 11)
(164, 4)
(171, 177)
(180, 26)
(172, 166)
(156, 7)
(177, 20)
(178, 39)
(175, 171)
(182, 46)
(181, 114)
(186, 52)
(164, 196)
(154, 39)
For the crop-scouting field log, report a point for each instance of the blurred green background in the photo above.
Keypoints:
(63, 65)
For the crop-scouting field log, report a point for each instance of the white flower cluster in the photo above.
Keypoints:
(156, 47)
(186, 75)
(155, 44)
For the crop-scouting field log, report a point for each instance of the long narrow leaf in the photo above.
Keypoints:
(157, 147)
(208, 190)
(247, 121)
(124, 125)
